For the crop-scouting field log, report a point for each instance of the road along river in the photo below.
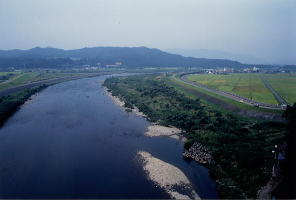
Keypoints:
(72, 141)
(232, 96)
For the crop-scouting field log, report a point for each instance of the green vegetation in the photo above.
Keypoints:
(284, 84)
(287, 188)
(241, 148)
(5, 76)
(246, 85)
(10, 103)
(21, 78)
(189, 91)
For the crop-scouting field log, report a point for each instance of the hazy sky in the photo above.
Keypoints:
(263, 28)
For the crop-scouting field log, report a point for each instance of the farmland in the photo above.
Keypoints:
(5, 76)
(13, 79)
(285, 85)
(251, 85)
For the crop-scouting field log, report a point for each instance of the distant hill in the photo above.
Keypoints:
(217, 54)
(129, 57)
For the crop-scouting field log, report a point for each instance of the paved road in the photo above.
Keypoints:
(231, 96)
(39, 83)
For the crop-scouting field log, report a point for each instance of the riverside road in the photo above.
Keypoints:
(232, 96)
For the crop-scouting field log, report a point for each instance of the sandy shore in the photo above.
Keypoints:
(120, 103)
(155, 130)
(163, 174)
(168, 177)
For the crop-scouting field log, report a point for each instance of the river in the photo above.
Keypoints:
(72, 141)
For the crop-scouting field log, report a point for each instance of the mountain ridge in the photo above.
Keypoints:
(218, 54)
(129, 57)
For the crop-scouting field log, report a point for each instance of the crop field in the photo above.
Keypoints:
(6, 73)
(27, 77)
(251, 85)
(5, 76)
(19, 79)
(285, 85)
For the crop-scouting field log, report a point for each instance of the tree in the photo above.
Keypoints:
(287, 188)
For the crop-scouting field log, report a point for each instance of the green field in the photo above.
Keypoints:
(251, 85)
(285, 85)
(5, 76)
(20, 78)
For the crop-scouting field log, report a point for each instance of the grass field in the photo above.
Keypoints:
(188, 91)
(6, 73)
(284, 84)
(246, 85)
(21, 78)
(5, 76)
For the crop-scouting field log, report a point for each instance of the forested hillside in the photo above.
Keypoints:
(127, 56)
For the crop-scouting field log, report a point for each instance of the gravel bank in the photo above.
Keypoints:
(155, 130)
(198, 153)
(163, 174)
(168, 177)
(121, 103)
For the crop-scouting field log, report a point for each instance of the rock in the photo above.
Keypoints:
(198, 153)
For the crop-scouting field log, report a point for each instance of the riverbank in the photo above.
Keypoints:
(122, 104)
(196, 152)
(89, 146)
(11, 103)
(199, 153)
(154, 129)
(227, 138)
(168, 177)
(163, 174)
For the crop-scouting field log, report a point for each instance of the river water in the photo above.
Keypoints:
(72, 141)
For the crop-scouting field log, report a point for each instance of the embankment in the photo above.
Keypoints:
(9, 104)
